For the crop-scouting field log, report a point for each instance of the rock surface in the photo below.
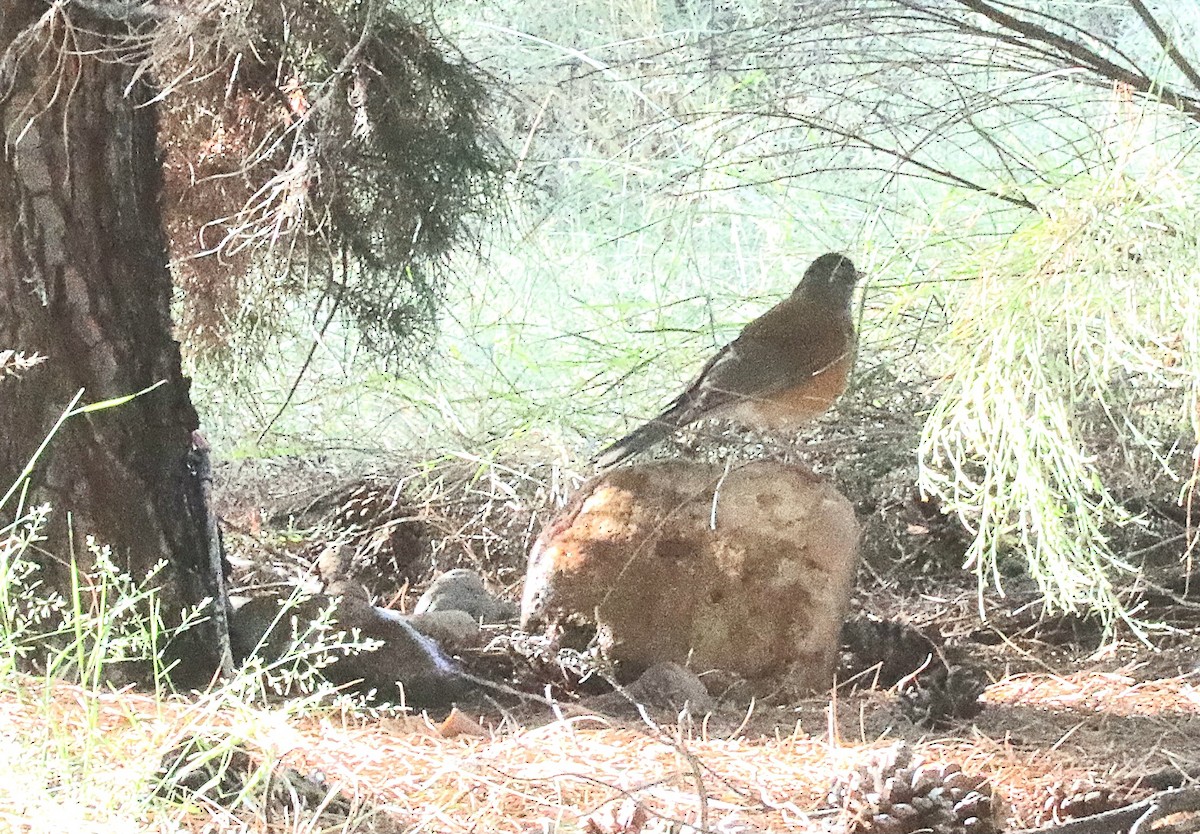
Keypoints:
(664, 686)
(407, 666)
(747, 571)
(451, 628)
(463, 590)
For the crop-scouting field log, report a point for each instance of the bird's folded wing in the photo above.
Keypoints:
(770, 359)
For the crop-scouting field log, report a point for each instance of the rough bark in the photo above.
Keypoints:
(84, 282)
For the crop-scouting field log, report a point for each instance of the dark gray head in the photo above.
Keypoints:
(830, 279)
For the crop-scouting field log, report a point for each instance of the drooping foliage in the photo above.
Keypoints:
(323, 152)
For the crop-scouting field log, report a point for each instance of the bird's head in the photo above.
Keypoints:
(830, 278)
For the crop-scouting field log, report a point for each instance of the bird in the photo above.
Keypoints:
(783, 370)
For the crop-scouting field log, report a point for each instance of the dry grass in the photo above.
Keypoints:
(553, 773)
(1097, 718)
(457, 511)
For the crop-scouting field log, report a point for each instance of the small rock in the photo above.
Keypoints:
(451, 628)
(670, 685)
(463, 590)
(667, 686)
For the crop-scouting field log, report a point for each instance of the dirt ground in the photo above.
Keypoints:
(1068, 708)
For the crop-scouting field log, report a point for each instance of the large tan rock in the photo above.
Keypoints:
(748, 571)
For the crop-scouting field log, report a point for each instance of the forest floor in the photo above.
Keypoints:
(1068, 709)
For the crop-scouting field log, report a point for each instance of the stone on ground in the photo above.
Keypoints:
(747, 570)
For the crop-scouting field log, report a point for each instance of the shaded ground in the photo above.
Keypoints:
(1039, 735)
(1065, 709)
(1066, 712)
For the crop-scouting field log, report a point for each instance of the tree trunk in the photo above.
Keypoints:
(84, 282)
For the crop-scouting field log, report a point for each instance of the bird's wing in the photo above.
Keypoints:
(785, 347)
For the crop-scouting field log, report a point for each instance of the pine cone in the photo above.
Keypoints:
(223, 772)
(895, 792)
(943, 696)
(381, 528)
(200, 765)
(1080, 798)
(894, 649)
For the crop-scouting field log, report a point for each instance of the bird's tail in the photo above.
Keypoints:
(640, 438)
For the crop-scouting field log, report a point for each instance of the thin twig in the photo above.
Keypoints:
(1168, 47)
